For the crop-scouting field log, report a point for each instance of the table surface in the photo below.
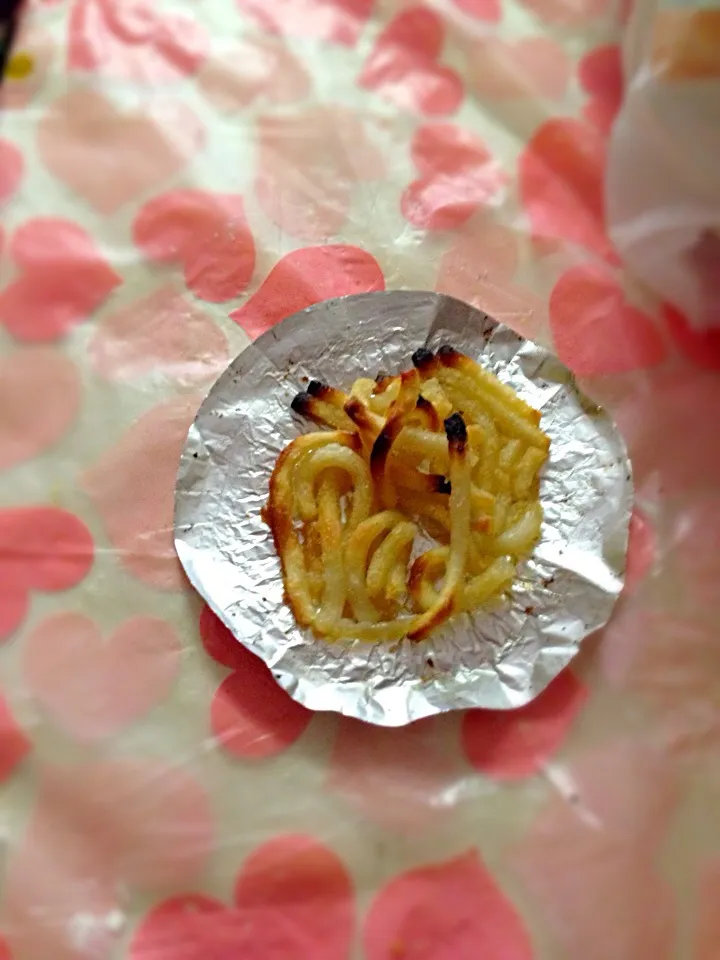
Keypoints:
(174, 179)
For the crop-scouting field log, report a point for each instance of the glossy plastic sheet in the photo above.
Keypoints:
(174, 179)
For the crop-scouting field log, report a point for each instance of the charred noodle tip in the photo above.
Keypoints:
(381, 448)
(316, 388)
(301, 402)
(422, 357)
(355, 409)
(456, 431)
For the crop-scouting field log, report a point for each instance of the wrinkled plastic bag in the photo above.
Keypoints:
(663, 183)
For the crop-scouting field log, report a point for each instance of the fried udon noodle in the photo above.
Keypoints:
(442, 452)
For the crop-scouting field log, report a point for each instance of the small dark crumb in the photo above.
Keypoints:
(303, 379)
(195, 456)
(430, 662)
(529, 611)
(549, 582)
(422, 356)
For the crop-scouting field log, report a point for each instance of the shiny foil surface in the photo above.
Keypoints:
(498, 658)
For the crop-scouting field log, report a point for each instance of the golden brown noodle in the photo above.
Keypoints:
(443, 450)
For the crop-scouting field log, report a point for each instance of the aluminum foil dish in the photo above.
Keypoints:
(498, 658)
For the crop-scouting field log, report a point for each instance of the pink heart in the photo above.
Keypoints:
(534, 67)
(567, 13)
(600, 75)
(132, 487)
(14, 746)
(293, 899)
(99, 828)
(304, 277)
(108, 156)
(340, 21)
(396, 777)
(11, 169)
(309, 163)
(459, 177)
(512, 744)
(39, 400)
(561, 181)
(451, 910)
(161, 332)
(479, 268)
(590, 860)
(41, 548)
(490, 11)
(93, 689)
(205, 232)
(63, 280)
(251, 716)
(596, 332)
(251, 69)
(702, 347)
(404, 65)
(133, 42)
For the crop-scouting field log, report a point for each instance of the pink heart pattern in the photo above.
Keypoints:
(595, 330)
(39, 399)
(108, 156)
(206, 233)
(489, 11)
(14, 746)
(159, 333)
(561, 184)
(253, 69)
(479, 268)
(395, 777)
(405, 66)
(251, 716)
(448, 911)
(63, 279)
(292, 898)
(590, 859)
(339, 21)
(118, 822)
(90, 688)
(309, 163)
(41, 548)
(132, 41)
(567, 13)
(458, 177)
(600, 75)
(533, 67)
(512, 744)
(304, 277)
(132, 487)
(11, 169)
